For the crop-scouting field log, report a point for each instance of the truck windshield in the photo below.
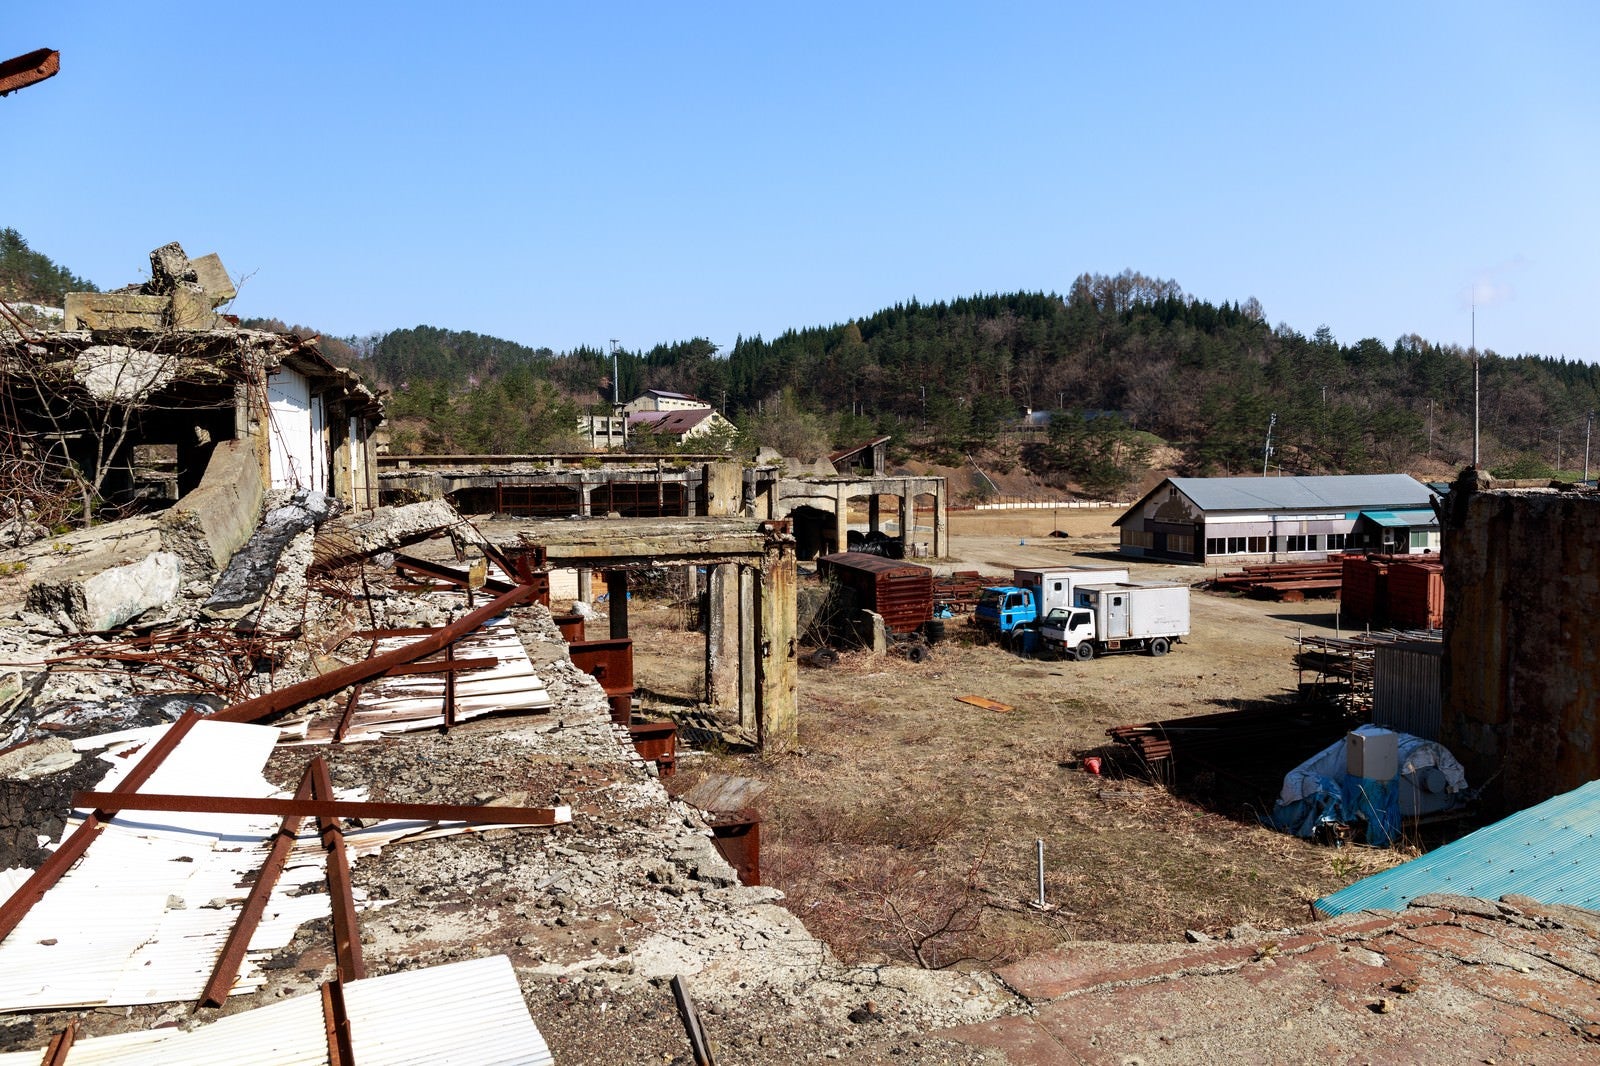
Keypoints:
(989, 598)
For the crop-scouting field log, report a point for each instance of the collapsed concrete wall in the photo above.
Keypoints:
(1521, 688)
(206, 527)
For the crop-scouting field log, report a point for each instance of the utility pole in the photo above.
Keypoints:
(1475, 376)
(1266, 453)
(616, 376)
(1588, 426)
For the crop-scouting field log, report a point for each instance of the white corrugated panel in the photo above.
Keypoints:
(142, 917)
(466, 1012)
(416, 701)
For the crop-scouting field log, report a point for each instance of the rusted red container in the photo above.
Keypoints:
(571, 626)
(1416, 595)
(1363, 590)
(737, 836)
(656, 742)
(902, 593)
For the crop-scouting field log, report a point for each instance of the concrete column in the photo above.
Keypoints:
(691, 581)
(872, 512)
(749, 579)
(617, 603)
(777, 722)
(908, 518)
(841, 518)
(941, 523)
(722, 636)
(584, 589)
(583, 500)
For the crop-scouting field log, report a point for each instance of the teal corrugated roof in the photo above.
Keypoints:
(1400, 519)
(1549, 852)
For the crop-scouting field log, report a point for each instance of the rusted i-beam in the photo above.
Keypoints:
(317, 807)
(226, 972)
(335, 680)
(30, 69)
(448, 574)
(61, 1045)
(72, 849)
(342, 900)
(336, 1022)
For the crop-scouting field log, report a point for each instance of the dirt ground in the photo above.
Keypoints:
(904, 823)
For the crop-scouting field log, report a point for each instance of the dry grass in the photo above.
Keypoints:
(903, 824)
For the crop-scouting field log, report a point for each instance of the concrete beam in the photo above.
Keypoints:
(208, 525)
(607, 544)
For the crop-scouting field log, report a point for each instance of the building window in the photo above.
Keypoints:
(1138, 538)
(1313, 542)
(1336, 542)
(1180, 544)
(1216, 546)
(1258, 544)
(1424, 539)
(1297, 542)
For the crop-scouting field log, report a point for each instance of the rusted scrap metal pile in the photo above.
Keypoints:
(960, 590)
(1341, 668)
(1243, 752)
(1285, 582)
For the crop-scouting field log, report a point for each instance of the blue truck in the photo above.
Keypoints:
(1010, 613)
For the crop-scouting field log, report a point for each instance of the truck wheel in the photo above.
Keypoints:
(916, 652)
(1018, 641)
(823, 658)
(1083, 652)
(1159, 646)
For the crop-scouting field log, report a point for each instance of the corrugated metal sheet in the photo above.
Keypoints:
(902, 593)
(1549, 852)
(416, 701)
(1350, 492)
(465, 1012)
(142, 917)
(1405, 688)
(1416, 594)
(1404, 519)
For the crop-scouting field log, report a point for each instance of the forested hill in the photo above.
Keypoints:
(1133, 359)
(946, 377)
(27, 276)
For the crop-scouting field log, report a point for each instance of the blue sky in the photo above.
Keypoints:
(563, 175)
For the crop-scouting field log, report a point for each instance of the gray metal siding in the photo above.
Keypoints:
(1405, 689)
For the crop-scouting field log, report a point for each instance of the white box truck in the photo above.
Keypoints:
(1118, 616)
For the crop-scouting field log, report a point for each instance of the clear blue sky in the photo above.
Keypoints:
(566, 175)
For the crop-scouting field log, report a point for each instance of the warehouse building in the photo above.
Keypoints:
(1234, 520)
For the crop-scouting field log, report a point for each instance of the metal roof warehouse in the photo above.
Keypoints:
(1274, 519)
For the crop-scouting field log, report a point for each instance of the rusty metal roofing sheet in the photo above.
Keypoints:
(462, 1012)
(1549, 852)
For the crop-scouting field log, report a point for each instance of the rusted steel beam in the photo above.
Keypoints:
(342, 900)
(61, 1045)
(336, 1023)
(71, 850)
(336, 680)
(226, 970)
(348, 716)
(447, 573)
(317, 807)
(30, 69)
(450, 686)
(449, 666)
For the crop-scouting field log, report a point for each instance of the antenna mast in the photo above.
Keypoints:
(1266, 453)
(616, 377)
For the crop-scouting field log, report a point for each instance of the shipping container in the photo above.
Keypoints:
(901, 593)
(1416, 595)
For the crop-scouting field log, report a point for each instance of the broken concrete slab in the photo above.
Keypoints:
(208, 525)
(115, 310)
(117, 373)
(108, 598)
(213, 278)
(353, 537)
